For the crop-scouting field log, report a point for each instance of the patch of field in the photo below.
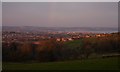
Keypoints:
(90, 64)
(74, 44)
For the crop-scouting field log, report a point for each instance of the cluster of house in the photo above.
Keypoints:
(64, 39)
(75, 38)
(68, 38)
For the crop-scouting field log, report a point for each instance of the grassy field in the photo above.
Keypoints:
(73, 44)
(90, 64)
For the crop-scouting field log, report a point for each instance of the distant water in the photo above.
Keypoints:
(62, 29)
(97, 31)
(93, 31)
(105, 31)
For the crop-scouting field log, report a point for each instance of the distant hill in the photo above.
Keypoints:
(63, 29)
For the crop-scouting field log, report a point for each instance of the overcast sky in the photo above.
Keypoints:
(60, 14)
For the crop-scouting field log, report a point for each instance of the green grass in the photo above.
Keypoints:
(74, 44)
(90, 64)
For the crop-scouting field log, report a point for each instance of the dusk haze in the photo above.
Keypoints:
(60, 36)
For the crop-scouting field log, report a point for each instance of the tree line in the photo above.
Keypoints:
(51, 50)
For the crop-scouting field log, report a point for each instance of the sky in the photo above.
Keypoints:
(0, 15)
(0, 36)
(60, 0)
(60, 14)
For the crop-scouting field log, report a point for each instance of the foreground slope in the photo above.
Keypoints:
(90, 64)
